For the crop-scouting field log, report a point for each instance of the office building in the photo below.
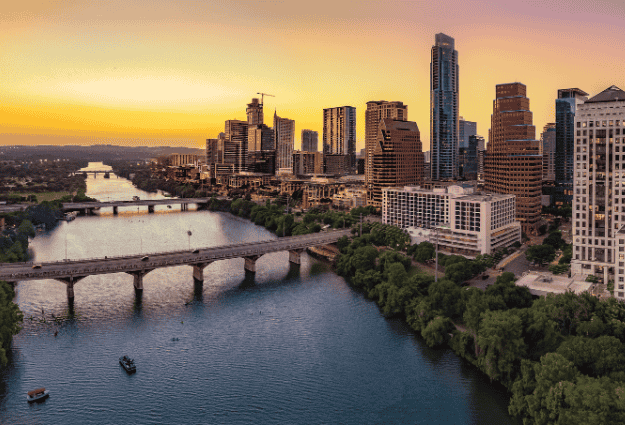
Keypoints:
(513, 163)
(464, 222)
(310, 141)
(481, 150)
(599, 184)
(467, 159)
(284, 136)
(337, 165)
(566, 106)
(444, 109)
(548, 151)
(465, 130)
(397, 158)
(215, 150)
(235, 145)
(180, 159)
(377, 111)
(307, 163)
(339, 132)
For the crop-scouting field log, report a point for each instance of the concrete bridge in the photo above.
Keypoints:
(71, 272)
(88, 208)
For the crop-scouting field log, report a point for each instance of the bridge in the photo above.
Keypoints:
(88, 208)
(72, 271)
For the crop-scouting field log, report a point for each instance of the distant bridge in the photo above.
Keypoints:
(88, 208)
(72, 271)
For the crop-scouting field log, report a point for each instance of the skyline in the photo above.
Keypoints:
(174, 72)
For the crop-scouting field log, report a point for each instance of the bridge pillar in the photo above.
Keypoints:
(250, 263)
(115, 210)
(70, 281)
(138, 278)
(184, 207)
(150, 208)
(198, 271)
(295, 256)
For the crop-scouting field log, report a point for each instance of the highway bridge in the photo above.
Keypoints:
(72, 271)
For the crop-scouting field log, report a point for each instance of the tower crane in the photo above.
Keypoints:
(262, 96)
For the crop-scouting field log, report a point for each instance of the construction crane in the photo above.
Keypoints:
(262, 96)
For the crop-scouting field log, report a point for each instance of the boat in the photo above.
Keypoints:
(128, 364)
(37, 395)
(107, 175)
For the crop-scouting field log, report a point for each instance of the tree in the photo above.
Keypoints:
(540, 254)
(594, 357)
(445, 297)
(10, 319)
(436, 333)
(424, 251)
(500, 345)
(555, 240)
(27, 228)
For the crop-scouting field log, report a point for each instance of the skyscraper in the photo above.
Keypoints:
(566, 107)
(339, 132)
(310, 141)
(548, 151)
(377, 111)
(466, 129)
(397, 158)
(513, 163)
(254, 112)
(235, 145)
(598, 203)
(444, 109)
(284, 136)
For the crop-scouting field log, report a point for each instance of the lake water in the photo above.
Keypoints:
(289, 345)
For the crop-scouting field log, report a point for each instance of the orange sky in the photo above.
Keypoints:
(171, 72)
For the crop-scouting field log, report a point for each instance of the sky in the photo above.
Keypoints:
(164, 72)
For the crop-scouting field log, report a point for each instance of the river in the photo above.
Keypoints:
(290, 345)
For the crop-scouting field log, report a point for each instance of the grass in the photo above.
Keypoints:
(43, 196)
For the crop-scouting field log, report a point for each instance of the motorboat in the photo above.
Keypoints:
(37, 395)
(128, 364)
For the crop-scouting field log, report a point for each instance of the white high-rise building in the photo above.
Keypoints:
(599, 190)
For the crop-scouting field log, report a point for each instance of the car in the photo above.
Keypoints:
(36, 266)
(196, 251)
(146, 258)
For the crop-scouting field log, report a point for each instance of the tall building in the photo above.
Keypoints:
(480, 150)
(513, 163)
(254, 112)
(284, 136)
(307, 163)
(339, 132)
(465, 129)
(397, 158)
(444, 109)
(599, 182)
(235, 145)
(310, 141)
(376, 112)
(215, 150)
(467, 159)
(548, 151)
(566, 106)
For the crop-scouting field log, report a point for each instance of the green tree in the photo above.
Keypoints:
(500, 345)
(594, 356)
(540, 254)
(27, 228)
(445, 297)
(10, 319)
(436, 333)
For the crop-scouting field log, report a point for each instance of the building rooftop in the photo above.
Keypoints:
(611, 94)
(546, 283)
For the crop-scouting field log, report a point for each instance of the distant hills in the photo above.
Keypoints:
(94, 153)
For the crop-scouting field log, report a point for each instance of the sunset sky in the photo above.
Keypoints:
(171, 72)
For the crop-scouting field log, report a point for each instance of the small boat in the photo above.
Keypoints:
(128, 364)
(107, 175)
(37, 395)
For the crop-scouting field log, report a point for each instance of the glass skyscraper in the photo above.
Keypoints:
(444, 109)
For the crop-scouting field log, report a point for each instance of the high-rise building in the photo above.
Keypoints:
(513, 163)
(467, 159)
(566, 106)
(481, 151)
(254, 112)
(444, 109)
(548, 151)
(599, 182)
(339, 132)
(397, 158)
(466, 129)
(235, 146)
(307, 163)
(310, 141)
(215, 150)
(284, 136)
(377, 111)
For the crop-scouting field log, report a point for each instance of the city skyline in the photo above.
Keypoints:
(172, 73)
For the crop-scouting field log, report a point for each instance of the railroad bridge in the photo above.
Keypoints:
(71, 272)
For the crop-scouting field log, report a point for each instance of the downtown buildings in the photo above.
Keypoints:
(513, 164)
(599, 189)
(339, 132)
(444, 109)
